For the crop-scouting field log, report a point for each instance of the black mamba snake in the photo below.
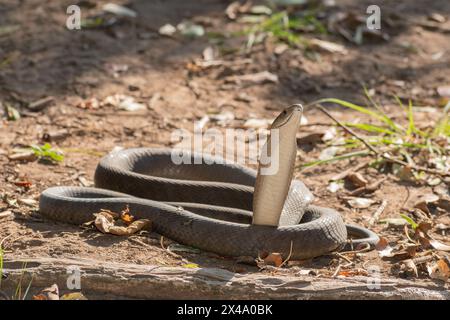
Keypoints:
(208, 204)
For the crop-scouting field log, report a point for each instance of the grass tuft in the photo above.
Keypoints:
(409, 143)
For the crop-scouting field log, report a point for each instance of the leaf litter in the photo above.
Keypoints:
(121, 224)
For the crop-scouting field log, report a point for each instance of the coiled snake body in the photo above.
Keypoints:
(208, 205)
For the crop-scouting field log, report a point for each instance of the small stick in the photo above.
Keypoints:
(288, 257)
(340, 255)
(378, 213)
(407, 197)
(365, 249)
(378, 153)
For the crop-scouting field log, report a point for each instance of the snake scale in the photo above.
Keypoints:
(213, 205)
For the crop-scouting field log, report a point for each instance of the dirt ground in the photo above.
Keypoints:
(41, 58)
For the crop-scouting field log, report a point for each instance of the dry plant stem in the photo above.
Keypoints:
(378, 213)
(340, 255)
(338, 269)
(421, 260)
(288, 257)
(378, 153)
(365, 249)
(3, 240)
(406, 198)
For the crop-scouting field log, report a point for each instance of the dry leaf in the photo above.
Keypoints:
(254, 78)
(398, 253)
(423, 201)
(439, 245)
(28, 202)
(409, 265)
(50, 293)
(352, 273)
(89, 104)
(424, 226)
(123, 102)
(23, 156)
(25, 184)
(273, 259)
(310, 138)
(356, 179)
(5, 214)
(73, 296)
(360, 203)
(232, 10)
(328, 46)
(383, 248)
(126, 217)
(439, 270)
(134, 227)
(104, 221)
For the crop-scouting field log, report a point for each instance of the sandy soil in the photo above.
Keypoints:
(44, 59)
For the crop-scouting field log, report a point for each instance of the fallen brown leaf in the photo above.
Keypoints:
(439, 245)
(50, 293)
(273, 259)
(356, 179)
(103, 221)
(134, 227)
(352, 273)
(25, 184)
(439, 270)
(73, 296)
(126, 217)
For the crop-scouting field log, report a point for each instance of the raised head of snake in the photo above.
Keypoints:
(276, 167)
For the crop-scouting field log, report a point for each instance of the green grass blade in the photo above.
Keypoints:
(28, 288)
(336, 158)
(361, 109)
(410, 221)
(372, 102)
(411, 125)
(443, 125)
(370, 128)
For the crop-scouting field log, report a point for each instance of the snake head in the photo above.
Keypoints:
(291, 113)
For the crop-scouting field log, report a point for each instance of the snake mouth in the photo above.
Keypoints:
(286, 115)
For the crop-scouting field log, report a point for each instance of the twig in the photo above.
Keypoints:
(365, 249)
(173, 254)
(378, 213)
(350, 131)
(340, 255)
(407, 197)
(337, 271)
(378, 153)
(288, 257)
(162, 243)
(341, 265)
(3, 240)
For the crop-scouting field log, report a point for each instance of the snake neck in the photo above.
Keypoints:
(276, 167)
